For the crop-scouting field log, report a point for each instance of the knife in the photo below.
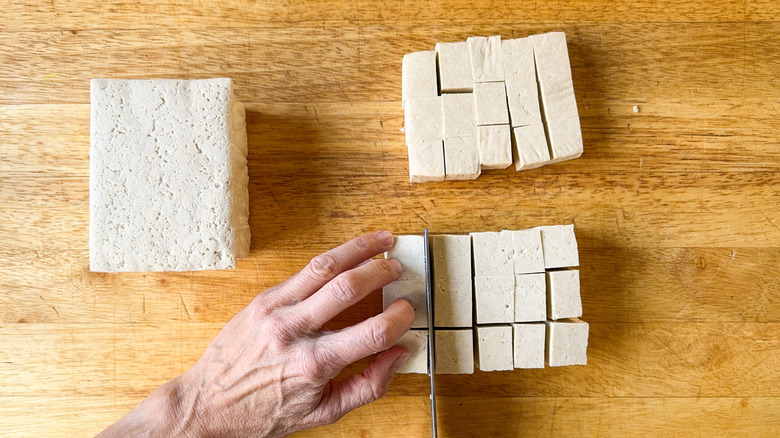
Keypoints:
(431, 343)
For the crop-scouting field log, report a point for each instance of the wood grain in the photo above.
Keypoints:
(676, 205)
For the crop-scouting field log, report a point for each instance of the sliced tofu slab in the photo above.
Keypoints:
(493, 254)
(563, 294)
(412, 291)
(423, 120)
(559, 245)
(454, 351)
(530, 297)
(418, 75)
(491, 105)
(529, 147)
(527, 257)
(494, 348)
(461, 158)
(495, 146)
(486, 65)
(529, 345)
(453, 291)
(567, 343)
(459, 115)
(417, 343)
(409, 250)
(426, 161)
(454, 67)
(495, 299)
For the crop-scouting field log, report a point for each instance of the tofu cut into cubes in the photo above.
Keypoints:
(486, 65)
(530, 297)
(409, 250)
(495, 146)
(559, 104)
(494, 348)
(529, 147)
(559, 245)
(426, 161)
(417, 343)
(529, 345)
(461, 158)
(527, 256)
(423, 120)
(418, 75)
(495, 299)
(491, 106)
(452, 281)
(493, 254)
(567, 343)
(454, 67)
(412, 291)
(459, 115)
(563, 294)
(168, 176)
(454, 351)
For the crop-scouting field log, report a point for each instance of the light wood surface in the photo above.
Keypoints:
(677, 206)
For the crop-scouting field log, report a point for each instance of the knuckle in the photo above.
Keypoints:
(324, 266)
(312, 367)
(386, 266)
(364, 242)
(346, 288)
(379, 338)
(277, 328)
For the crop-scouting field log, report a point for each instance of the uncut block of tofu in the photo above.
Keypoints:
(495, 146)
(417, 343)
(454, 351)
(530, 297)
(426, 161)
(454, 67)
(491, 106)
(418, 75)
(168, 176)
(459, 115)
(529, 345)
(567, 343)
(461, 158)
(559, 246)
(494, 348)
(527, 256)
(557, 90)
(412, 291)
(486, 65)
(563, 294)
(423, 120)
(493, 254)
(495, 299)
(452, 286)
(409, 250)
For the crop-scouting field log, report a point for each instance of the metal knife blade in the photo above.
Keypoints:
(431, 343)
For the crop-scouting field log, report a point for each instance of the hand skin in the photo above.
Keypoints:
(270, 371)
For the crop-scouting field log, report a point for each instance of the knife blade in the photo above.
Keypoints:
(431, 343)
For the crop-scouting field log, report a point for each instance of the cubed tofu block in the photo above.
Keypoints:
(559, 104)
(455, 67)
(495, 299)
(494, 348)
(528, 256)
(563, 294)
(452, 286)
(567, 343)
(530, 297)
(461, 158)
(529, 345)
(493, 254)
(495, 146)
(168, 176)
(426, 161)
(412, 291)
(418, 75)
(529, 147)
(423, 120)
(417, 343)
(459, 117)
(486, 65)
(409, 250)
(454, 351)
(559, 246)
(491, 106)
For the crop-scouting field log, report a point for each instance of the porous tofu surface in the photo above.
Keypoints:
(494, 298)
(529, 147)
(459, 115)
(563, 294)
(559, 245)
(495, 146)
(461, 158)
(491, 105)
(494, 348)
(567, 343)
(426, 161)
(412, 291)
(423, 120)
(454, 67)
(486, 58)
(417, 343)
(418, 73)
(530, 297)
(527, 256)
(409, 250)
(493, 254)
(529, 345)
(454, 351)
(453, 290)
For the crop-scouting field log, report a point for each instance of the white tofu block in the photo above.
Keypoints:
(493, 254)
(495, 146)
(423, 120)
(417, 343)
(426, 161)
(486, 56)
(528, 256)
(494, 348)
(409, 250)
(529, 147)
(530, 297)
(168, 176)
(418, 75)
(563, 294)
(459, 115)
(559, 246)
(461, 158)
(567, 343)
(454, 67)
(491, 105)
(495, 299)
(454, 351)
(452, 280)
(529, 345)
(412, 291)
(559, 104)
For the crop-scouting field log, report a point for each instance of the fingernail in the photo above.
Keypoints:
(385, 237)
(399, 362)
(397, 265)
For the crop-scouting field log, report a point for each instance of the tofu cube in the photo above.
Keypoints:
(559, 245)
(417, 343)
(495, 146)
(455, 67)
(412, 291)
(418, 75)
(530, 297)
(493, 254)
(495, 299)
(453, 290)
(563, 294)
(529, 147)
(529, 345)
(494, 348)
(168, 176)
(461, 158)
(459, 115)
(486, 65)
(491, 106)
(409, 250)
(423, 120)
(527, 255)
(426, 161)
(567, 343)
(454, 351)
